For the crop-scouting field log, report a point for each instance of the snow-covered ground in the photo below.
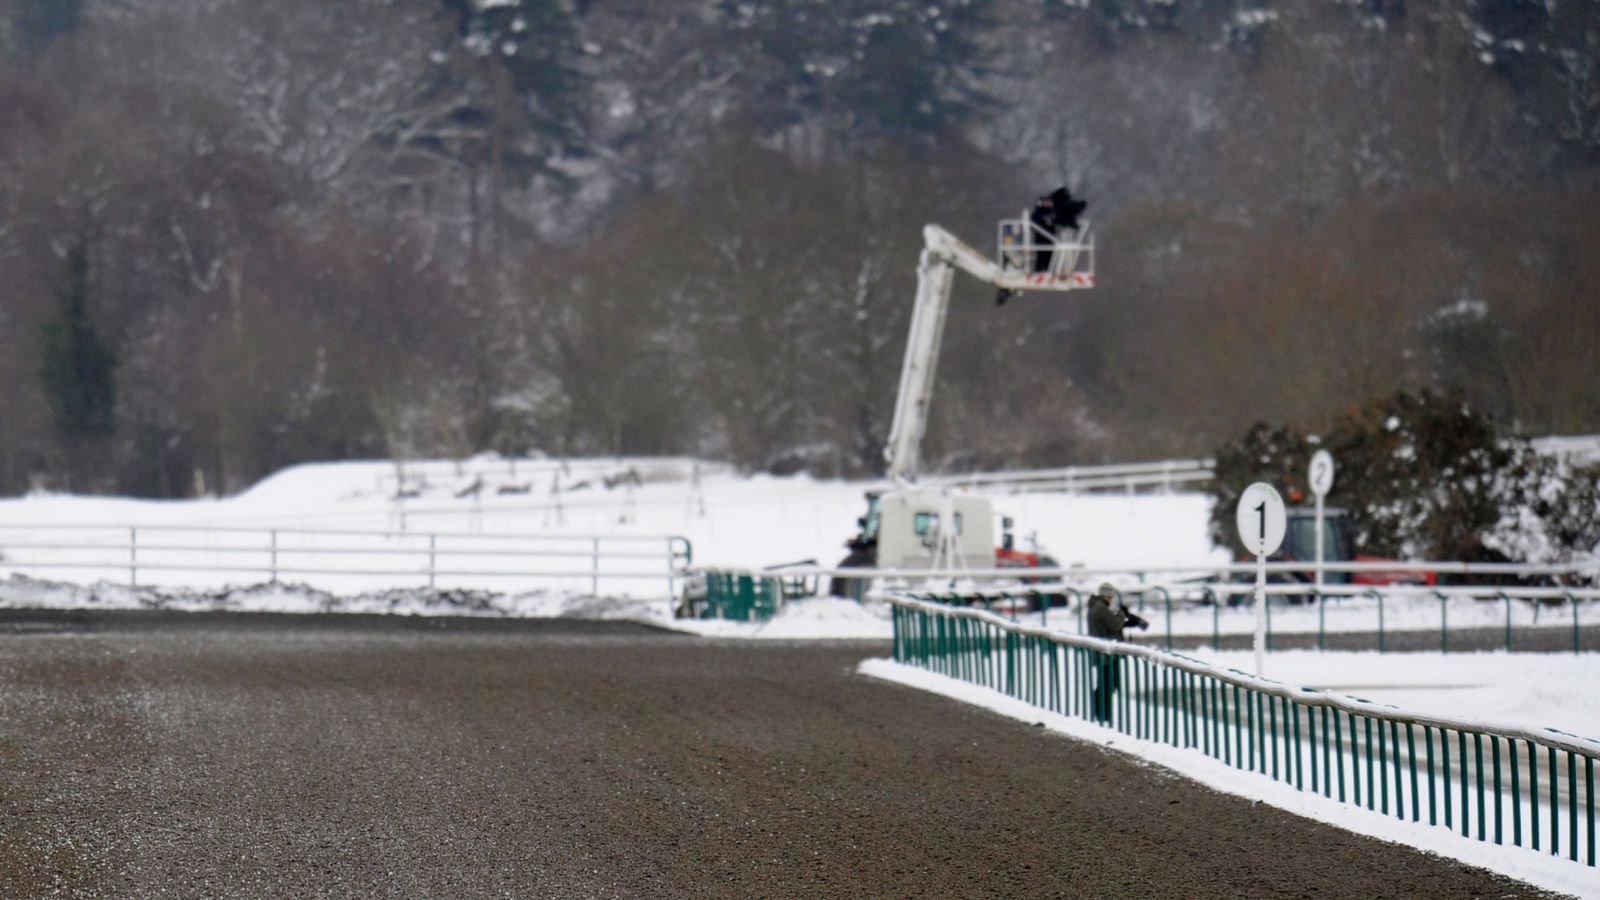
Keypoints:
(753, 522)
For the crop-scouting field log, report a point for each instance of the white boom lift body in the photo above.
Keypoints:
(1069, 266)
(913, 527)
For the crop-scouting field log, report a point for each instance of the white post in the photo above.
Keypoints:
(1320, 555)
(1261, 522)
(274, 534)
(594, 577)
(432, 562)
(1261, 614)
(1321, 478)
(133, 557)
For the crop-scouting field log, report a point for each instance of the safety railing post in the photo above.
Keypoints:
(273, 563)
(594, 571)
(1444, 622)
(433, 559)
(133, 557)
(1167, 597)
(1507, 598)
(1322, 618)
(1379, 596)
(1577, 634)
(1216, 619)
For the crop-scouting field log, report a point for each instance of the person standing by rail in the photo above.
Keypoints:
(1107, 621)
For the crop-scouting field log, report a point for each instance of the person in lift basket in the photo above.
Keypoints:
(1106, 621)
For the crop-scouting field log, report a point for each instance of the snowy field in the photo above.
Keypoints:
(753, 522)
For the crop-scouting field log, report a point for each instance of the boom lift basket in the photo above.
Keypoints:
(1034, 259)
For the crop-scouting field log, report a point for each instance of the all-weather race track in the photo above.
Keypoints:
(187, 755)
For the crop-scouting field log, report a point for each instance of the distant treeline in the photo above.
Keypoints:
(235, 236)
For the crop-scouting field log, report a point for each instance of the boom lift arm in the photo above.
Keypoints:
(1071, 266)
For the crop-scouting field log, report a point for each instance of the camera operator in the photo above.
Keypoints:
(1106, 621)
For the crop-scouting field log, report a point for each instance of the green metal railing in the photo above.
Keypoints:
(740, 597)
(1536, 787)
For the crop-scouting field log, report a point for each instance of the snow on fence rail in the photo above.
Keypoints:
(200, 556)
(1127, 477)
(1536, 786)
(1169, 474)
(1177, 610)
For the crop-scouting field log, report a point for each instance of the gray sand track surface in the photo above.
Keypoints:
(264, 756)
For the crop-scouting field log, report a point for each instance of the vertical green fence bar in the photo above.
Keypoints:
(1555, 806)
(1147, 708)
(1383, 767)
(1338, 745)
(1355, 763)
(1494, 753)
(1055, 677)
(1516, 794)
(1186, 681)
(1411, 756)
(1327, 781)
(1293, 711)
(1588, 776)
(1572, 804)
(1152, 695)
(1123, 709)
(1238, 731)
(1477, 745)
(1166, 707)
(1251, 714)
(1433, 803)
(1207, 719)
(1533, 791)
(1080, 697)
(1311, 738)
(1461, 745)
(1272, 732)
(1399, 787)
(1366, 724)
(1219, 732)
(1444, 754)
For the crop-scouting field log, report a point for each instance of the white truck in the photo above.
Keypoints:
(911, 527)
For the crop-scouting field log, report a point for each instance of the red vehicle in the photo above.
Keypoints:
(1007, 556)
(1300, 544)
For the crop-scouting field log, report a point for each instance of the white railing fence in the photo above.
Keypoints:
(345, 560)
(1208, 604)
(1179, 474)
(1163, 475)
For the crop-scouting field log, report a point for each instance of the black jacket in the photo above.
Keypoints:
(1106, 621)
